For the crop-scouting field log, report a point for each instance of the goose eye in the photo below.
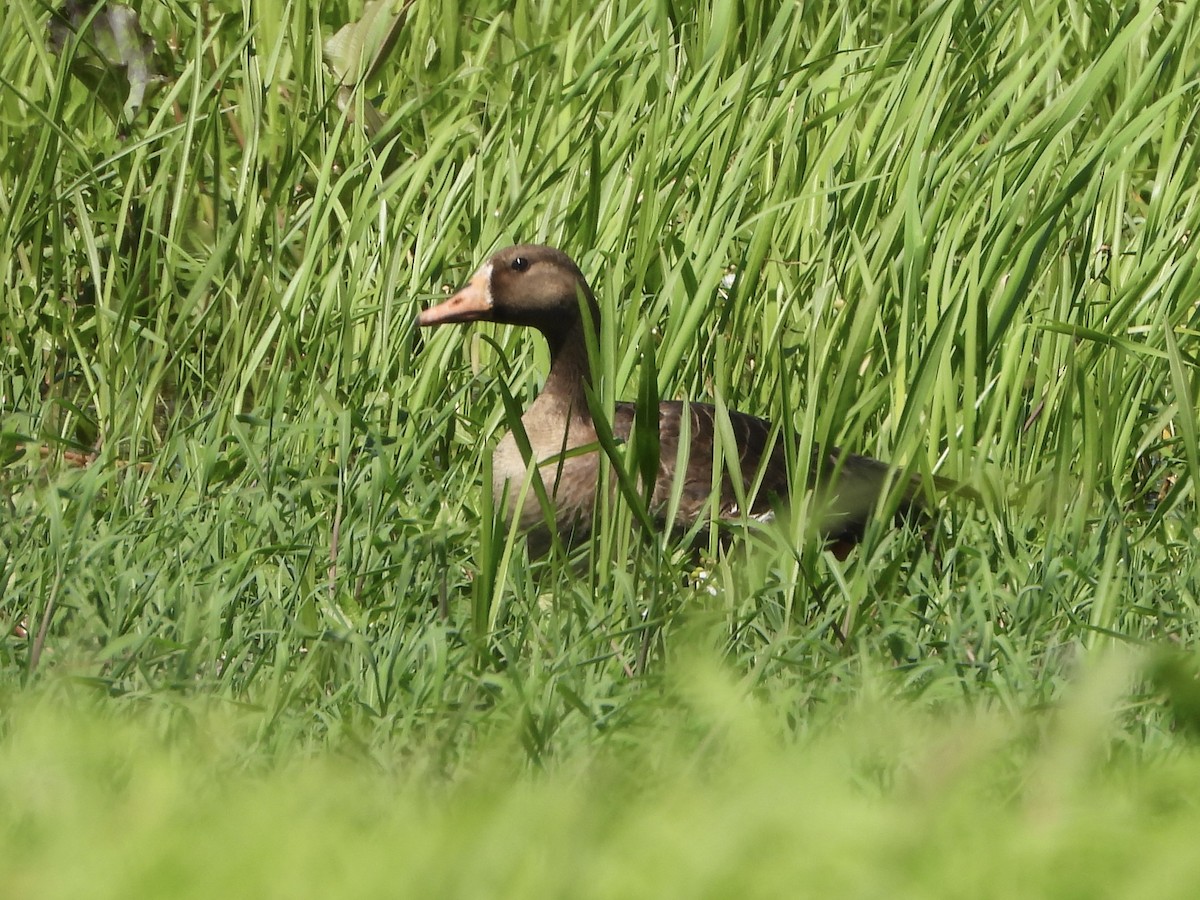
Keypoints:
(520, 264)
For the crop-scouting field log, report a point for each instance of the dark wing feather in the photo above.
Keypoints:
(847, 486)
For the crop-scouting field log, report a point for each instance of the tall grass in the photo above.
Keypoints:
(956, 236)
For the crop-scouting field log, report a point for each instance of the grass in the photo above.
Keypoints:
(870, 801)
(243, 534)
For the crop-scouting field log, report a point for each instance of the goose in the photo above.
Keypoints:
(540, 287)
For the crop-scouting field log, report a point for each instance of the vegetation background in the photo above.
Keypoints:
(261, 632)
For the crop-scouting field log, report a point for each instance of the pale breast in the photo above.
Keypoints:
(570, 479)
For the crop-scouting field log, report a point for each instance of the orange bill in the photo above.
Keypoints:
(471, 303)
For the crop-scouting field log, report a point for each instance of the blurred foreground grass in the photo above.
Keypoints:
(709, 799)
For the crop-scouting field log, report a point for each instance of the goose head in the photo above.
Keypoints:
(528, 284)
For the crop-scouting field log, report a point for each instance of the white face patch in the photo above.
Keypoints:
(485, 274)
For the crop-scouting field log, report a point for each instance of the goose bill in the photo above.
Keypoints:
(472, 303)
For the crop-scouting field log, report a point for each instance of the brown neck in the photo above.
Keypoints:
(569, 373)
